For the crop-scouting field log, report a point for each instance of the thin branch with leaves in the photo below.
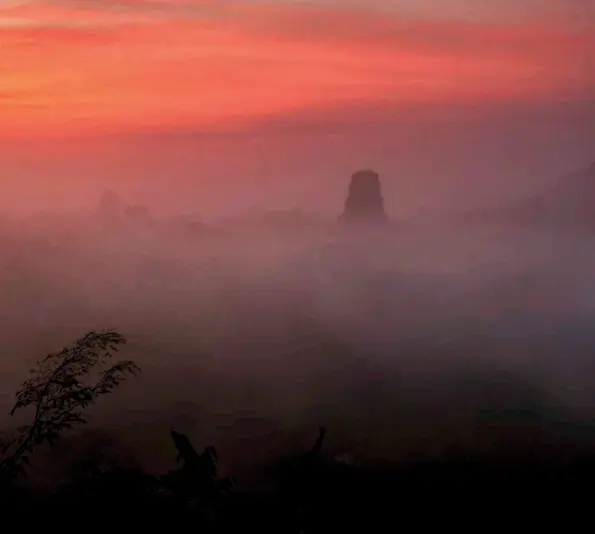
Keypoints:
(58, 394)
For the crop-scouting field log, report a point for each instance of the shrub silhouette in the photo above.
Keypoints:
(196, 484)
(58, 394)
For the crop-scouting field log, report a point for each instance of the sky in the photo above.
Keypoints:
(80, 69)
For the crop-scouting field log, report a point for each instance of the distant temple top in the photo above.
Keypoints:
(364, 200)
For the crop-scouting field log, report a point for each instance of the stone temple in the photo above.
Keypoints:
(364, 200)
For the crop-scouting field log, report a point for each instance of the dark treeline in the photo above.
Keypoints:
(312, 491)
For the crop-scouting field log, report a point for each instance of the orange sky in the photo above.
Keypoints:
(75, 66)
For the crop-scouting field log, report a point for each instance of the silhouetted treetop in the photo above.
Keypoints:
(60, 387)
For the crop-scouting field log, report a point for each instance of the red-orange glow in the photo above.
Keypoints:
(64, 70)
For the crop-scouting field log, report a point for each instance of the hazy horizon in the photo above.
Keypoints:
(218, 108)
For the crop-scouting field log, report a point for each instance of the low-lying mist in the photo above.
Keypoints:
(402, 340)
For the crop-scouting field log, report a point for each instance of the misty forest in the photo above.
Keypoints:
(289, 371)
(297, 267)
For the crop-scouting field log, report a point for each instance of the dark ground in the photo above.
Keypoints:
(311, 492)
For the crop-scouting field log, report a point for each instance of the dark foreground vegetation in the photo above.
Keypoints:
(308, 492)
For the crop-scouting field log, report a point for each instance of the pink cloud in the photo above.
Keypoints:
(162, 65)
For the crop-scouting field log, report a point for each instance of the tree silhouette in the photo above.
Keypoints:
(58, 394)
